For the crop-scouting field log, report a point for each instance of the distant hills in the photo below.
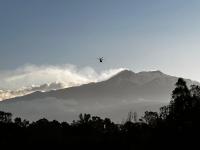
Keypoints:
(114, 98)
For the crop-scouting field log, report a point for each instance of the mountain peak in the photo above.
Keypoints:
(128, 73)
(139, 78)
(125, 74)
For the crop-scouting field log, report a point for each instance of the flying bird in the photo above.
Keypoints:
(100, 59)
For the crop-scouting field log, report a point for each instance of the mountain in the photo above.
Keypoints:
(114, 98)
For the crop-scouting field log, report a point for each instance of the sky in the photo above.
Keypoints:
(135, 34)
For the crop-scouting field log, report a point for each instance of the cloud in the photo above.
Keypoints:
(69, 75)
(30, 78)
(7, 94)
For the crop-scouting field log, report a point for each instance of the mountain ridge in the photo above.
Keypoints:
(115, 96)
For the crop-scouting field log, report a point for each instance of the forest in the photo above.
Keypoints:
(176, 125)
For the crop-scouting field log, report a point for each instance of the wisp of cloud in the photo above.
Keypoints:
(69, 75)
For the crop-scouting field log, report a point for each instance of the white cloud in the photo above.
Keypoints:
(69, 75)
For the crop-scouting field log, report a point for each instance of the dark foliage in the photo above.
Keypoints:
(176, 125)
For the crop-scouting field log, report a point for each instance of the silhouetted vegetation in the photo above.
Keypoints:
(175, 125)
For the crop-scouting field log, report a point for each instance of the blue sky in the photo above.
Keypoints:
(136, 34)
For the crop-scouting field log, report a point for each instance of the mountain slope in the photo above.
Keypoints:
(8, 94)
(113, 98)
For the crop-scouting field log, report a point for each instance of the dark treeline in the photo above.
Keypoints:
(175, 125)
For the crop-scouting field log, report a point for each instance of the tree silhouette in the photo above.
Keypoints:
(195, 96)
(5, 117)
(181, 100)
(84, 118)
(164, 112)
(151, 117)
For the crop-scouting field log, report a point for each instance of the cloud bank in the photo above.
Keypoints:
(68, 75)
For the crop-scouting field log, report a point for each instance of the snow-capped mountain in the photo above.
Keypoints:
(112, 98)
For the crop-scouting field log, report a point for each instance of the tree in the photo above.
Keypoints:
(150, 117)
(5, 117)
(18, 121)
(164, 112)
(195, 96)
(84, 118)
(181, 89)
(195, 91)
(181, 100)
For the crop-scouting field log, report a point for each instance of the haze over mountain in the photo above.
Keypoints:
(7, 94)
(112, 98)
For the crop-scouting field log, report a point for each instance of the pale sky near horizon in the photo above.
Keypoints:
(135, 34)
